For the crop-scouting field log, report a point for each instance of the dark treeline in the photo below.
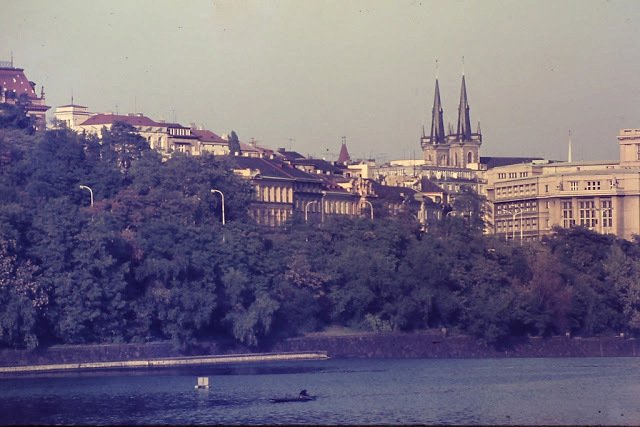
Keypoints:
(150, 259)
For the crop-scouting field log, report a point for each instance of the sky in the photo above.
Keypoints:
(302, 74)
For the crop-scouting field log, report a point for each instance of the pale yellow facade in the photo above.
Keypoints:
(527, 200)
(165, 138)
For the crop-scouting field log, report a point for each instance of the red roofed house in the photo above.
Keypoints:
(163, 137)
(16, 89)
(209, 142)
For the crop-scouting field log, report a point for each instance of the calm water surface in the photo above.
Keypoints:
(600, 391)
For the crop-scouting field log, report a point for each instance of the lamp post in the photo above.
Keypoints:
(84, 187)
(306, 207)
(516, 212)
(370, 206)
(213, 190)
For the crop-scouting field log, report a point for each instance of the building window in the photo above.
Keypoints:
(567, 215)
(638, 153)
(513, 174)
(502, 175)
(546, 188)
(607, 213)
(524, 174)
(573, 185)
(587, 211)
(593, 185)
(469, 157)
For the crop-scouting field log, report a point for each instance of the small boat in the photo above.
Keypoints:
(302, 397)
(292, 399)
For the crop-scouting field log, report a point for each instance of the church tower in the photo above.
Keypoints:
(456, 149)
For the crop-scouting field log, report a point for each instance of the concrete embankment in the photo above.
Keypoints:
(435, 345)
(171, 362)
(425, 344)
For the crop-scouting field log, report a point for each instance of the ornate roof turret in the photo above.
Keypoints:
(464, 122)
(437, 135)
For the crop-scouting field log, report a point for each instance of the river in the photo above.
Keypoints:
(594, 391)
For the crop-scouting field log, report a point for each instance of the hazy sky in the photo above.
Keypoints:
(303, 73)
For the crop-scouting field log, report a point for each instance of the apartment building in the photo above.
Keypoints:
(162, 136)
(528, 200)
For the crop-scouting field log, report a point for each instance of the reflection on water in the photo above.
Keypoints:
(490, 391)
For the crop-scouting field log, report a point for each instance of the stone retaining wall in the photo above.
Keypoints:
(430, 345)
(388, 345)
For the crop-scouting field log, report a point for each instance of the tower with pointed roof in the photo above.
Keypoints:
(344, 157)
(456, 149)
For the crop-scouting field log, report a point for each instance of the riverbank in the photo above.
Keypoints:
(168, 363)
(425, 344)
(431, 344)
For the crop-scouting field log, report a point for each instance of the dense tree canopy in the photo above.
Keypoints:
(150, 259)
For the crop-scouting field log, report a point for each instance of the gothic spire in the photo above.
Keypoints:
(437, 122)
(344, 157)
(464, 121)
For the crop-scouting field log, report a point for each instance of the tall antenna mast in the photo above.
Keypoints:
(436, 68)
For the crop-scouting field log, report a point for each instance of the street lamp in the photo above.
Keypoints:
(370, 206)
(516, 211)
(306, 207)
(213, 190)
(84, 187)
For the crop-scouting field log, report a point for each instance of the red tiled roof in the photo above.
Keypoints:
(392, 192)
(207, 136)
(72, 105)
(273, 168)
(254, 148)
(14, 80)
(319, 164)
(109, 119)
(427, 186)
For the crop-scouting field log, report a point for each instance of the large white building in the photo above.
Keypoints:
(529, 199)
(164, 137)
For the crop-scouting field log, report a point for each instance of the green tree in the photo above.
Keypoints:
(15, 117)
(126, 144)
(623, 274)
(234, 143)
(20, 299)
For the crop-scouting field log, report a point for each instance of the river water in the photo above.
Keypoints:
(594, 391)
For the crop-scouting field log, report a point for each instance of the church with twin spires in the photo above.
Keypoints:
(456, 149)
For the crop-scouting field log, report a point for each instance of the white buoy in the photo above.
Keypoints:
(203, 382)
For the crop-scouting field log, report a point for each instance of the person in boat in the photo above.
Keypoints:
(303, 394)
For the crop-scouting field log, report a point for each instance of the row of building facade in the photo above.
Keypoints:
(524, 197)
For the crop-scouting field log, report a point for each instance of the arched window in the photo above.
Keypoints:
(469, 157)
